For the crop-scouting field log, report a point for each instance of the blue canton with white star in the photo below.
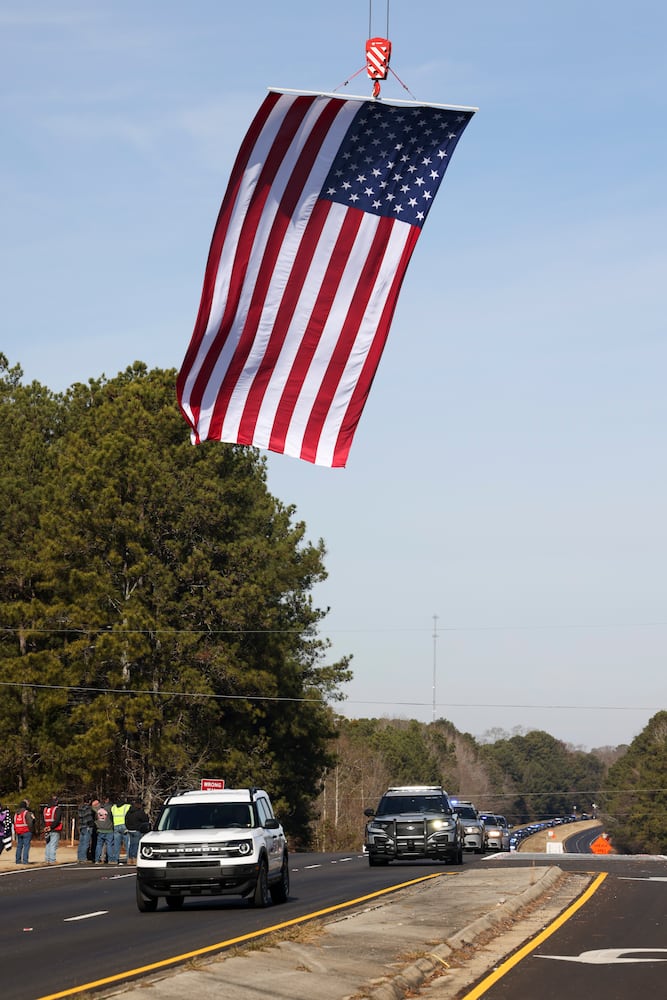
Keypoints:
(392, 160)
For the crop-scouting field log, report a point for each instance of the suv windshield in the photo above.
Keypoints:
(206, 816)
(466, 812)
(390, 805)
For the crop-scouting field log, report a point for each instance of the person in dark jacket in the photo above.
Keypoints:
(104, 825)
(93, 840)
(86, 821)
(24, 827)
(137, 823)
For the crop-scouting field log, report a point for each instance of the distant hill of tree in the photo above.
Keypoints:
(525, 776)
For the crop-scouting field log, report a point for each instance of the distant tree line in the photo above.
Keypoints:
(524, 777)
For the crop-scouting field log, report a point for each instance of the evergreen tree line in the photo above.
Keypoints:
(156, 615)
(157, 626)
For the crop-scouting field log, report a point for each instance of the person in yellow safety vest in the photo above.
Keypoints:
(121, 836)
(602, 844)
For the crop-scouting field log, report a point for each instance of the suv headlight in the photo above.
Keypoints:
(471, 829)
(441, 824)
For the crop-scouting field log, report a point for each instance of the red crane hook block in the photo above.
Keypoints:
(378, 54)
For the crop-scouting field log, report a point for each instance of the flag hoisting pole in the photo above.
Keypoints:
(435, 640)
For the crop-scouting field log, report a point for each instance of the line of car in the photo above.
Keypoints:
(423, 821)
(520, 833)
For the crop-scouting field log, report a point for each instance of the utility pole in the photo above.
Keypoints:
(435, 640)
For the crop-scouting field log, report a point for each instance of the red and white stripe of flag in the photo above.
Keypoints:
(298, 296)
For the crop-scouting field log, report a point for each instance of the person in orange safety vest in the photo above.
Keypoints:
(53, 824)
(24, 827)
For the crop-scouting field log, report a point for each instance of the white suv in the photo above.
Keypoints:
(214, 843)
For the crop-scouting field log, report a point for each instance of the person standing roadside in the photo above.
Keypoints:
(86, 819)
(53, 824)
(5, 828)
(104, 826)
(24, 827)
(120, 835)
(94, 805)
(138, 823)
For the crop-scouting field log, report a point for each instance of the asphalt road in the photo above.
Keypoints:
(613, 948)
(74, 924)
(70, 924)
(580, 842)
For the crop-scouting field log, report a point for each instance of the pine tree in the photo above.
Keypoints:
(635, 800)
(170, 611)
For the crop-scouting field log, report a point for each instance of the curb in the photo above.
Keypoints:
(414, 975)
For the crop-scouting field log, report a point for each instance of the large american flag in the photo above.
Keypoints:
(323, 209)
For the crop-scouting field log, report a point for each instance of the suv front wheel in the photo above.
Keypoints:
(144, 903)
(280, 891)
(261, 896)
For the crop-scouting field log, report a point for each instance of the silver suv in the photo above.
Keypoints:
(214, 843)
(474, 833)
(413, 821)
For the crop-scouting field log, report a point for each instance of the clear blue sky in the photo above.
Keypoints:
(509, 472)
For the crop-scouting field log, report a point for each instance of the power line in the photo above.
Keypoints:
(351, 701)
(562, 791)
(161, 693)
(163, 630)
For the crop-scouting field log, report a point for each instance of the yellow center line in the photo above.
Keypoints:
(128, 974)
(518, 956)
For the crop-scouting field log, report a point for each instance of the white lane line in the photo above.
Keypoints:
(85, 916)
(642, 878)
(335, 861)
